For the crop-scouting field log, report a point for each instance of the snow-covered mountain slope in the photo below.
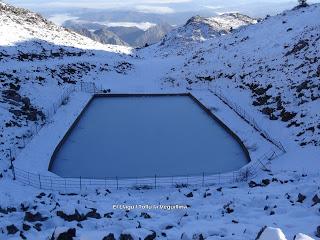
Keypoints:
(271, 69)
(198, 28)
(275, 60)
(38, 60)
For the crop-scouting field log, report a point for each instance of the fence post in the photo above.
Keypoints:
(233, 176)
(105, 183)
(13, 171)
(219, 178)
(29, 178)
(65, 185)
(117, 183)
(203, 179)
(51, 184)
(155, 181)
(39, 181)
(80, 184)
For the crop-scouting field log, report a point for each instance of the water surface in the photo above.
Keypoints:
(141, 136)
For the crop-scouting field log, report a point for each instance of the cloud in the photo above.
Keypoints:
(141, 25)
(59, 19)
(154, 9)
(99, 4)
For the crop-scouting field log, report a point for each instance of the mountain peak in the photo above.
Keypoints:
(199, 28)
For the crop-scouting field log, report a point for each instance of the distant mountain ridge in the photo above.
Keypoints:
(120, 35)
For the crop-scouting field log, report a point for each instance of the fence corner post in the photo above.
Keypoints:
(39, 181)
(203, 179)
(12, 169)
(117, 183)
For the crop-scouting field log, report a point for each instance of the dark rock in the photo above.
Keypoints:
(318, 231)
(168, 227)
(14, 87)
(151, 236)
(72, 217)
(37, 217)
(26, 227)
(260, 232)
(229, 210)
(22, 235)
(200, 237)
(37, 226)
(12, 229)
(252, 184)
(265, 182)
(68, 235)
(287, 116)
(301, 198)
(110, 236)
(189, 195)
(298, 47)
(125, 237)
(108, 215)
(145, 215)
(93, 214)
(219, 189)
(7, 210)
(26, 101)
(315, 200)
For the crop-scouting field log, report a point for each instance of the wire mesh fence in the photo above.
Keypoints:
(69, 185)
(33, 128)
(73, 185)
(245, 116)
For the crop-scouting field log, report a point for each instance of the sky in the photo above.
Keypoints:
(254, 8)
(153, 6)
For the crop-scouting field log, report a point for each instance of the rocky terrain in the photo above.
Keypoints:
(269, 67)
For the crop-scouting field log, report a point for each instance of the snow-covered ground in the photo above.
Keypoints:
(271, 69)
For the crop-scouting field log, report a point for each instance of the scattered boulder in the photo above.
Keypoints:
(26, 227)
(315, 200)
(12, 229)
(252, 184)
(110, 236)
(145, 215)
(301, 198)
(37, 217)
(265, 182)
(63, 234)
(318, 231)
(151, 236)
(93, 214)
(189, 195)
(76, 216)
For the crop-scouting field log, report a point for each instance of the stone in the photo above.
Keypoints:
(110, 236)
(301, 198)
(12, 229)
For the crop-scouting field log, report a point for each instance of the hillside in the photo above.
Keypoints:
(270, 68)
(200, 29)
(278, 66)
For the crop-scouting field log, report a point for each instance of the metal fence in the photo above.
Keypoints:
(71, 185)
(74, 185)
(245, 116)
(33, 128)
